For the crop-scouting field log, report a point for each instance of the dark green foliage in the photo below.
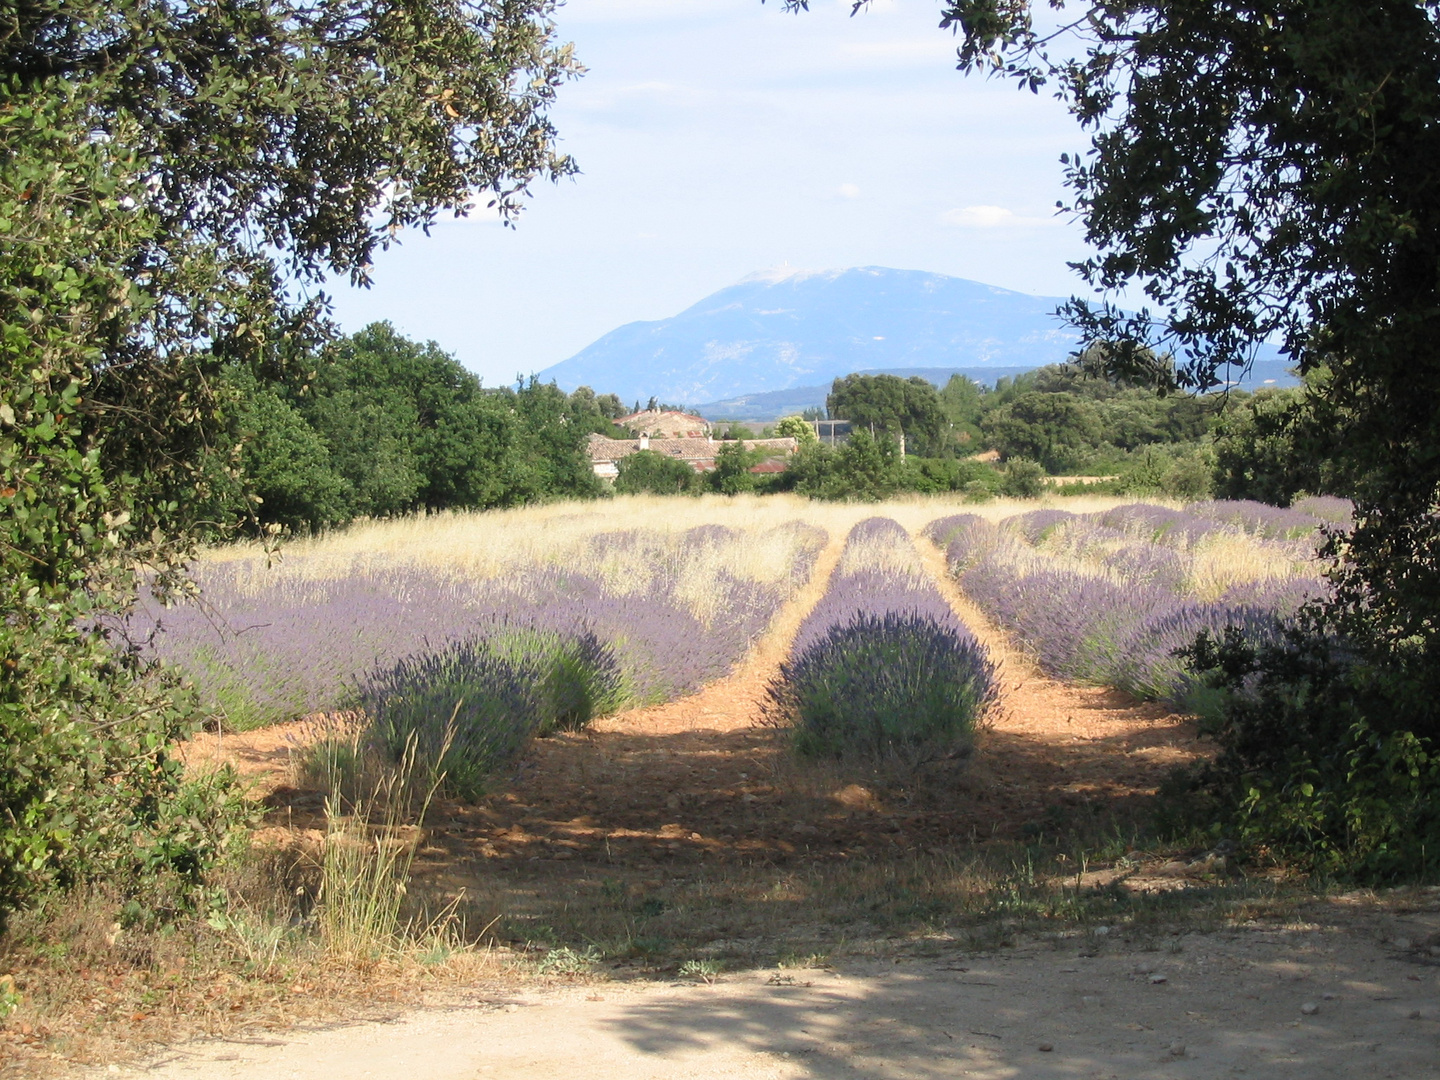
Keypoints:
(586, 406)
(285, 463)
(1327, 760)
(1022, 479)
(646, 472)
(1181, 472)
(732, 474)
(1051, 428)
(927, 475)
(891, 405)
(869, 469)
(390, 426)
(885, 687)
(547, 446)
(863, 468)
(1258, 455)
(94, 791)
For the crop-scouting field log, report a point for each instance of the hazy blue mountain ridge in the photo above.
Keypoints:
(783, 329)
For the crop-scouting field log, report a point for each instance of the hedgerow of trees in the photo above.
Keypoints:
(389, 426)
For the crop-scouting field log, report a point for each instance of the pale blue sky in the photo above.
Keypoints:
(720, 137)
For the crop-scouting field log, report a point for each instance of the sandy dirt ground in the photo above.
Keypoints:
(678, 789)
(1355, 996)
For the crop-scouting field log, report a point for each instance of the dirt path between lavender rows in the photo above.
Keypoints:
(667, 801)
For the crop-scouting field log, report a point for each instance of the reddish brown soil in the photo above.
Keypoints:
(704, 778)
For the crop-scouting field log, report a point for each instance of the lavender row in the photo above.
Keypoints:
(857, 588)
(300, 643)
(1097, 627)
(882, 670)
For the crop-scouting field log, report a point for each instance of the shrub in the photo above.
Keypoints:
(1022, 479)
(647, 472)
(886, 687)
(90, 789)
(472, 708)
(882, 670)
(1328, 760)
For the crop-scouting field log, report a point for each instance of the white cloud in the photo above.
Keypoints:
(849, 191)
(993, 217)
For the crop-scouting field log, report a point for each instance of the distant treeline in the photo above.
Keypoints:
(389, 426)
(1233, 444)
(1055, 421)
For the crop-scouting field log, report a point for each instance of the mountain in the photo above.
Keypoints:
(780, 330)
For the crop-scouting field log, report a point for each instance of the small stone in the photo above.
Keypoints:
(512, 1008)
(1156, 980)
(1414, 1014)
(1177, 1049)
(1435, 950)
(1090, 1001)
(1328, 997)
(1102, 931)
(1402, 943)
(1045, 1048)
(1309, 1008)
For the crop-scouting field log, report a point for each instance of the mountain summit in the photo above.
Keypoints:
(785, 328)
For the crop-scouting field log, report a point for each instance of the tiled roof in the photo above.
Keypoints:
(603, 449)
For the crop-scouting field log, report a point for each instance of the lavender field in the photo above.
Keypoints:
(663, 598)
(1109, 596)
(882, 669)
(676, 608)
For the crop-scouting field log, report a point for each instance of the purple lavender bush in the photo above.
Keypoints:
(1257, 518)
(1158, 524)
(1037, 524)
(965, 538)
(1326, 508)
(469, 709)
(882, 670)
